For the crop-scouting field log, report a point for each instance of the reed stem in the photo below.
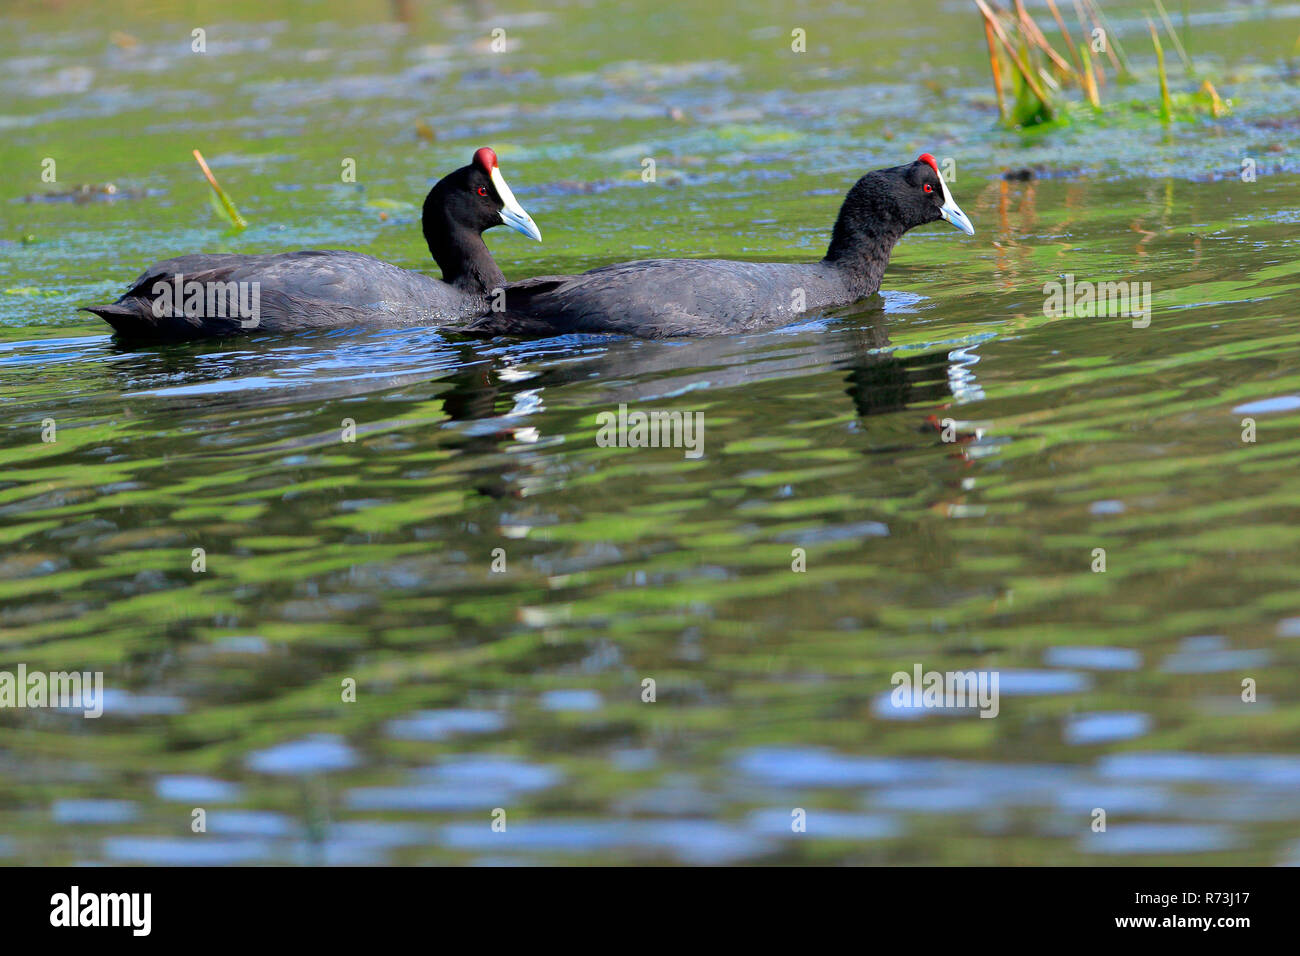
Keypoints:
(1030, 81)
(996, 64)
(1166, 107)
(1173, 35)
(236, 219)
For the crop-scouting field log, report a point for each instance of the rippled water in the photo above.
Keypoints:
(371, 560)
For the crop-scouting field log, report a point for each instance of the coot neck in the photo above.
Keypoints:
(460, 252)
(859, 252)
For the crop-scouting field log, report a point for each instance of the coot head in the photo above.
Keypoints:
(930, 196)
(477, 197)
(884, 204)
(458, 209)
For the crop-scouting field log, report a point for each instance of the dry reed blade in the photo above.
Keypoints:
(1069, 40)
(236, 219)
(1035, 36)
(1011, 52)
(996, 64)
(1173, 35)
(1217, 107)
(1114, 49)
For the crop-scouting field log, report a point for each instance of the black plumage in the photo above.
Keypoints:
(658, 298)
(297, 291)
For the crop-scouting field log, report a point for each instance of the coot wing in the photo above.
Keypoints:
(292, 291)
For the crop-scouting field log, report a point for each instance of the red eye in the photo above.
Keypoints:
(482, 190)
(929, 188)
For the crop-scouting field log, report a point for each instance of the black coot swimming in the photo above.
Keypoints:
(199, 296)
(658, 298)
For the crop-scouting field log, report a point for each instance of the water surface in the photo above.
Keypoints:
(371, 560)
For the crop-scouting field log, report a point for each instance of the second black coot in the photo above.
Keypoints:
(297, 291)
(659, 298)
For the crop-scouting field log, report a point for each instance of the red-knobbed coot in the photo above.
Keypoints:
(657, 298)
(203, 295)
